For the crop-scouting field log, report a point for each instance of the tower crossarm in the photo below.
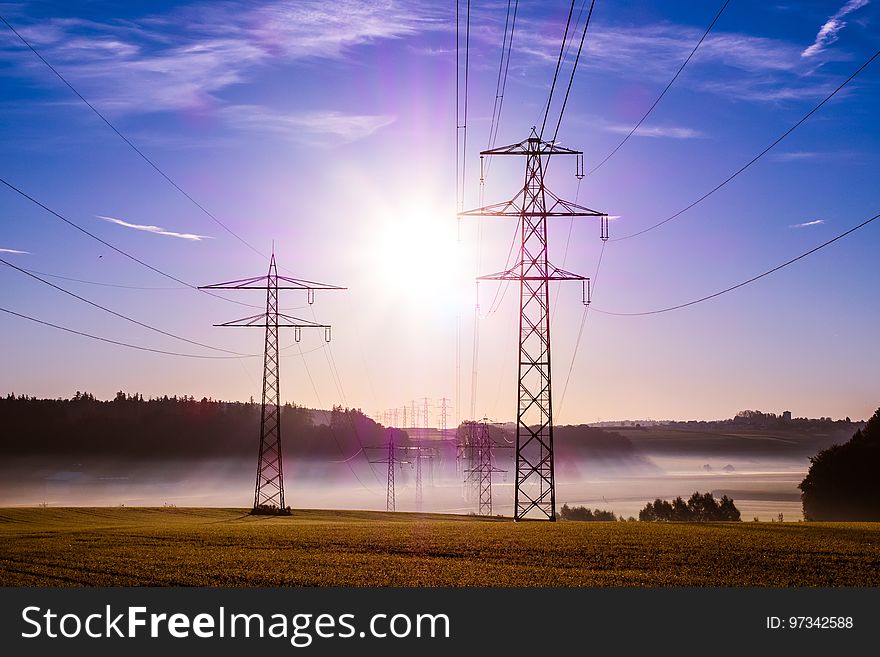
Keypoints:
(264, 283)
(519, 207)
(534, 145)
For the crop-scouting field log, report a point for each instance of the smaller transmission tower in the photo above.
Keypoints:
(269, 489)
(484, 465)
(390, 503)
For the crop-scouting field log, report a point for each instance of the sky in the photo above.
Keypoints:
(330, 130)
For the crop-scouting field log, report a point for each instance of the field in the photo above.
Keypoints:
(226, 547)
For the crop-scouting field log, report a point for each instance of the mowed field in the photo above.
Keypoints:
(227, 547)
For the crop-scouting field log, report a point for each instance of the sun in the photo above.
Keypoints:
(418, 262)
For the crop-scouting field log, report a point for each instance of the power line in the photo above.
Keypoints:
(663, 93)
(104, 284)
(573, 70)
(114, 248)
(503, 68)
(117, 314)
(580, 331)
(556, 72)
(347, 461)
(746, 282)
(461, 120)
(756, 158)
(132, 145)
(117, 342)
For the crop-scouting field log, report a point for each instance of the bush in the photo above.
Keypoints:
(582, 513)
(699, 508)
(842, 482)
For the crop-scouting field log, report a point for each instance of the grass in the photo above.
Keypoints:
(227, 547)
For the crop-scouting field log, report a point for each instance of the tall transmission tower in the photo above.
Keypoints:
(269, 488)
(535, 487)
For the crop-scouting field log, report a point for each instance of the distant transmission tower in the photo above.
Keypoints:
(535, 488)
(269, 489)
(390, 460)
(466, 455)
(415, 436)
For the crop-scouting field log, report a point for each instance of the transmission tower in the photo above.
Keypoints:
(415, 435)
(389, 489)
(269, 489)
(444, 416)
(535, 488)
(392, 460)
(466, 456)
(426, 403)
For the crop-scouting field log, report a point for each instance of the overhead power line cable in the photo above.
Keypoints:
(573, 70)
(131, 144)
(558, 65)
(118, 314)
(503, 69)
(105, 284)
(745, 282)
(116, 342)
(662, 93)
(754, 159)
(171, 277)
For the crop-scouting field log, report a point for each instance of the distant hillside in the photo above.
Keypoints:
(579, 450)
(782, 440)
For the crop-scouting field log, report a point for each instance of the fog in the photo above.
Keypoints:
(761, 488)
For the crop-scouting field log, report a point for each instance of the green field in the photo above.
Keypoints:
(226, 547)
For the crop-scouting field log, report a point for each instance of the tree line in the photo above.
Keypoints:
(701, 507)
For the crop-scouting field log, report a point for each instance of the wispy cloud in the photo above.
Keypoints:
(807, 224)
(797, 156)
(156, 66)
(325, 126)
(15, 251)
(156, 230)
(731, 64)
(829, 31)
(654, 131)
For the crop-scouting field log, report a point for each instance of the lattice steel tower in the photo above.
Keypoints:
(269, 488)
(535, 488)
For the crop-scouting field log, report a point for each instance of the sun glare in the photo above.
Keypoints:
(419, 263)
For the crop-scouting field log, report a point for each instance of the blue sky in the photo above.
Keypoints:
(330, 128)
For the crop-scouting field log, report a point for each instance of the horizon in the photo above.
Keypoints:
(372, 416)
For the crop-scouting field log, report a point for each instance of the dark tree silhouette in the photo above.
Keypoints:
(701, 507)
(584, 514)
(842, 483)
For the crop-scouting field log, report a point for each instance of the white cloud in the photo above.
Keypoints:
(730, 64)
(314, 126)
(796, 156)
(155, 66)
(829, 31)
(807, 224)
(15, 251)
(671, 132)
(157, 230)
